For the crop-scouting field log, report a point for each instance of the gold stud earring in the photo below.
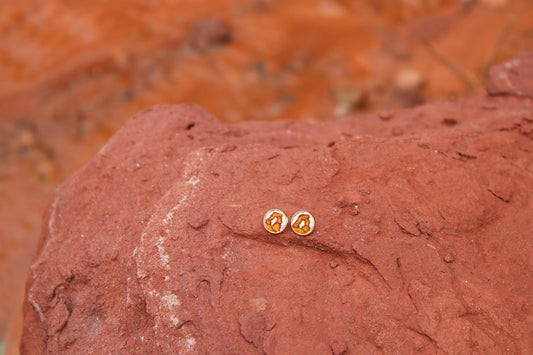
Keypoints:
(275, 221)
(303, 223)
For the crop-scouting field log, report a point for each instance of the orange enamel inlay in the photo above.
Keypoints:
(276, 226)
(297, 226)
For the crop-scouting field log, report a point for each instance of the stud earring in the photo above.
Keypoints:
(303, 223)
(275, 221)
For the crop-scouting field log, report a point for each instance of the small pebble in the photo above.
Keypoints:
(208, 33)
(46, 169)
(449, 258)
(385, 116)
(26, 138)
(339, 348)
(333, 264)
(347, 99)
(397, 131)
(409, 80)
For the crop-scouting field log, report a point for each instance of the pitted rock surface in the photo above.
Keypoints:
(422, 239)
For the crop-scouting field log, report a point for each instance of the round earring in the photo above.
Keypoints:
(275, 221)
(303, 223)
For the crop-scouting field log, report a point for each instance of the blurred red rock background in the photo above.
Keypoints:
(71, 73)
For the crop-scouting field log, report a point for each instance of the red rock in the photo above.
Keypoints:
(157, 245)
(514, 77)
(208, 33)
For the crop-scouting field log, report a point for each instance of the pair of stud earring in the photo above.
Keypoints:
(302, 223)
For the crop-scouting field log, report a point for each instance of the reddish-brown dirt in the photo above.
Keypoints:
(71, 74)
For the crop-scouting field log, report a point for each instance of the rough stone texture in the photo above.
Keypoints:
(423, 238)
(513, 77)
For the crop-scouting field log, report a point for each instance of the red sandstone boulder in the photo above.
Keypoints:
(422, 240)
(513, 77)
